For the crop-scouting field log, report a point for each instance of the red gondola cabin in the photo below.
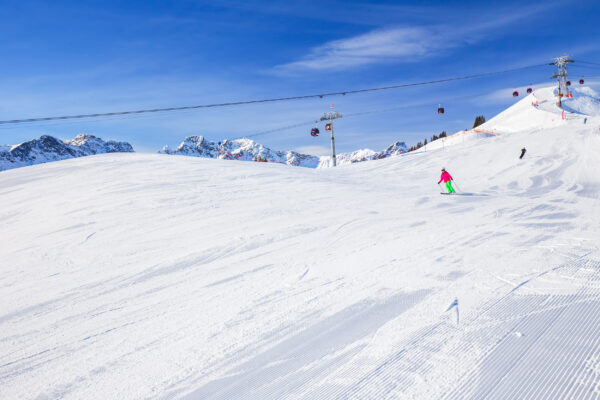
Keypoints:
(568, 83)
(515, 94)
(440, 110)
(581, 81)
(314, 132)
(529, 90)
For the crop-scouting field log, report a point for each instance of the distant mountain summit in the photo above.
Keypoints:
(239, 149)
(395, 149)
(48, 148)
(365, 155)
(249, 150)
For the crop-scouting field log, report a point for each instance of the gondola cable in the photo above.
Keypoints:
(269, 100)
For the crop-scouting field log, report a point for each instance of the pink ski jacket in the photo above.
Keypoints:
(445, 177)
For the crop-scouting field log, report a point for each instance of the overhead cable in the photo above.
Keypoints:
(360, 113)
(269, 100)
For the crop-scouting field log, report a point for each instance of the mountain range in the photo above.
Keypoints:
(249, 150)
(48, 148)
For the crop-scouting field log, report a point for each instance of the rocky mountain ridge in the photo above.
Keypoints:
(249, 150)
(48, 148)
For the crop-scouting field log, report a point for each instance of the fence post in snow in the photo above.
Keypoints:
(457, 315)
(455, 304)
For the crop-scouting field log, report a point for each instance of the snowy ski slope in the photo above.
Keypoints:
(128, 276)
(525, 115)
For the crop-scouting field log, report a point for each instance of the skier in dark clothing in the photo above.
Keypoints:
(523, 150)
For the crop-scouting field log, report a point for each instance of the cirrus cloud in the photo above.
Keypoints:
(372, 47)
(409, 43)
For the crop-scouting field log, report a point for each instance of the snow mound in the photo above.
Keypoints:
(539, 110)
(536, 111)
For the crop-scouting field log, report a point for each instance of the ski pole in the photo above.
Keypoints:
(459, 189)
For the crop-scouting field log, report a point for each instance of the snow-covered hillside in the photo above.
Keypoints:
(537, 111)
(148, 276)
(48, 148)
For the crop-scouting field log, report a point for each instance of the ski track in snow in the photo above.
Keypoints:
(152, 276)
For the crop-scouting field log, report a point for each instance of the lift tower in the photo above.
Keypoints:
(561, 75)
(330, 116)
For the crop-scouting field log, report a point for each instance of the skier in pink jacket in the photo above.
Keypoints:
(447, 178)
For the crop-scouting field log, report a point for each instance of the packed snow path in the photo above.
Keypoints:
(150, 276)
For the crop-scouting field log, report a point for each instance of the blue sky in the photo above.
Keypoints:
(65, 57)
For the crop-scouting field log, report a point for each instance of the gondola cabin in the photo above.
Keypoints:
(568, 83)
(440, 110)
(581, 81)
(529, 90)
(515, 94)
(314, 132)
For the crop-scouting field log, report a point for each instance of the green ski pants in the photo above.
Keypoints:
(449, 187)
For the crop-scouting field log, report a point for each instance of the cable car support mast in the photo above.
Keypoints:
(561, 75)
(330, 116)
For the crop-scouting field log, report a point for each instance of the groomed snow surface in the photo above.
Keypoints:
(130, 276)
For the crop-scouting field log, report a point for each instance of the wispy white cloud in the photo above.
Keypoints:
(372, 47)
(405, 43)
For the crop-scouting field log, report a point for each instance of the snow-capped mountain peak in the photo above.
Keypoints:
(239, 149)
(48, 148)
(248, 150)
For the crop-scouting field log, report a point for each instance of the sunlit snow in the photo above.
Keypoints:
(128, 276)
